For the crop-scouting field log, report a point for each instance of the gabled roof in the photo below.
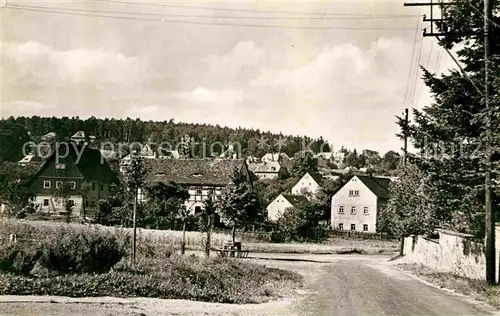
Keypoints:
(379, 186)
(170, 154)
(30, 158)
(275, 156)
(79, 135)
(266, 167)
(296, 200)
(317, 177)
(91, 164)
(193, 171)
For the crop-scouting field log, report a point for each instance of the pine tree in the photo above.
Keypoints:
(450, 133)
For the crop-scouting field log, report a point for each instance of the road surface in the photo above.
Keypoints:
(336, 286)
(370, 287)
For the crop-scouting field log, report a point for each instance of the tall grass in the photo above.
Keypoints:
(77, 261)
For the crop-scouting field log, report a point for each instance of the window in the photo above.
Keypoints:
(365, 227)
(198, 191)
(93, 186)
(60, 166)
(341, 226)
(353, 192)
(353, 210)
(72, 185)
(86, 203)
(341, 209)
(45, 202)
(365, 210)
(46, 184)
(353, 226)
(59, 184)
(102, 187)
(71, 202)
(197, 210)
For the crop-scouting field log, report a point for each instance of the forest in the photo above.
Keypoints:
(135, 130)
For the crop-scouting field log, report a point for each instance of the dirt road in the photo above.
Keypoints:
(336, 285)
(368, 287)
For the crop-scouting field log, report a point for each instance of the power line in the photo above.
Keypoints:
(212, 16)
(65, 12)
(417, 71)
(411, 63)
(430, 55)
(238, 10)
(417, 67)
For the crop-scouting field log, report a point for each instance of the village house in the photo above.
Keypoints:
(309, 185)
(146, 152)
(79, 138)
(282, 203)
(356, 204)
(202, 177)
(30, 160)
(278, 157)
(267, 170)
(84, 170)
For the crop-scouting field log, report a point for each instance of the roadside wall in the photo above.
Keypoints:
(453, 252)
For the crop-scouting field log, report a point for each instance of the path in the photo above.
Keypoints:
(336, 285)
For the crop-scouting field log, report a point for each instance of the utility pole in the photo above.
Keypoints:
(490, 252)
(490, 215)
(405, 139)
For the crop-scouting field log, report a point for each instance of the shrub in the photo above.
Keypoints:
(66, 251)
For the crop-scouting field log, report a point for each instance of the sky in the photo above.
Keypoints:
(341, 70)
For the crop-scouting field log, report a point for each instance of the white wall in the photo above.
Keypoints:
(453, 253)
(305, 183)
(56, 205)
(277, 207)
(267, 175)
(366, 198)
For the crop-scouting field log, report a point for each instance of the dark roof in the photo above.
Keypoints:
(379, 186)
(91, 164)
(193, 171)
(317, 177)
(296, 200)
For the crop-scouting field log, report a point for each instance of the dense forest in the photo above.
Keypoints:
(135, 130)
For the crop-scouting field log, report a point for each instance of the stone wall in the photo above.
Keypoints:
(453, 252)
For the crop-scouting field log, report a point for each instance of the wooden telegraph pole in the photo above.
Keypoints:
(490, 214)
(490, 251)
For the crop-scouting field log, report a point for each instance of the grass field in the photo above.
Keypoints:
(196, 240)
(87, 261)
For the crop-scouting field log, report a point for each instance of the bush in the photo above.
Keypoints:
(78, 261)
(67, 251)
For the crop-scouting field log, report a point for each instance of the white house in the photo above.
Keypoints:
(356, 203)
(279, 157)
(267, 169)
(283, 202)
(309, 184)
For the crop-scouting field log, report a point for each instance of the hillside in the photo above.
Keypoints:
(135, 130)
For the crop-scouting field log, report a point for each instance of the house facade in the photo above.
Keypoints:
(82, 170)
(267, 170)
(283, 202)
(279, 157)
(308, 185)
(201, 177)
(356, 204)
